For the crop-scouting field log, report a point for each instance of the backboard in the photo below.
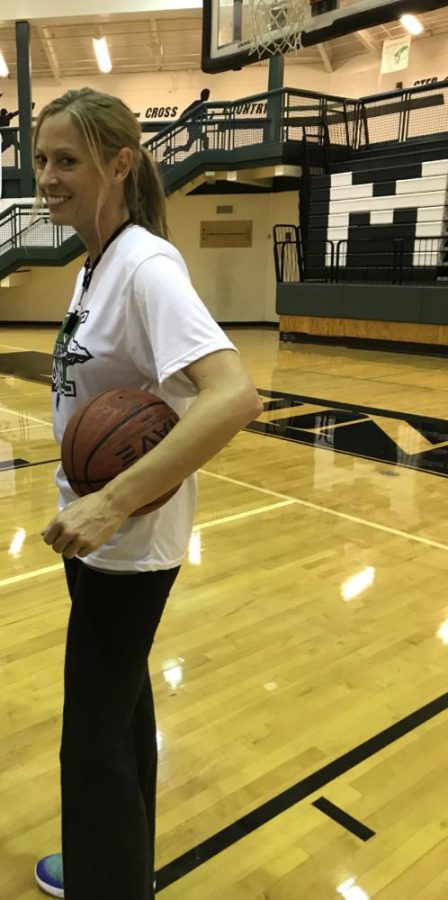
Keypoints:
(226, 35)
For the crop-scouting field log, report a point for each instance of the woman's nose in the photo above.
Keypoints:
(46, 176)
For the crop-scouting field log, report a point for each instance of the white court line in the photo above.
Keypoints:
(287, 501)
(333, 512)
(5, 431)
(15, 347)
(16, 578)
(242, 515)
(250, 512)
(13, 412)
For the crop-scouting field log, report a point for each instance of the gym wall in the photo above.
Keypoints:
(162, 90)
(236, 284)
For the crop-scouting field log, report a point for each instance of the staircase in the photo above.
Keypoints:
(27, 239)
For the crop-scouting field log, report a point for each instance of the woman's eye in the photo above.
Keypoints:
(40, 161)
(67, 161)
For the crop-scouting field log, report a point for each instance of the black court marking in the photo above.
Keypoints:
(28, 364)
(338, 815)
(14, 463)
(24, 463)
(228, 836)
(350, 429)
(363, 438)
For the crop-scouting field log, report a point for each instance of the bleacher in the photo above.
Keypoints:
(380, 216)
(385, 223)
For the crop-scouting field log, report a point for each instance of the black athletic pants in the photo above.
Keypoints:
(109, 749)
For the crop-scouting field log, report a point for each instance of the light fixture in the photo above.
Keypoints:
(412, 24)
(102, 54)
(4, 71)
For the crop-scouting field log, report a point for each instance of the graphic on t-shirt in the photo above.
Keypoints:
(67, 353)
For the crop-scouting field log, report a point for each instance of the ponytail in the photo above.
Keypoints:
(145, 197)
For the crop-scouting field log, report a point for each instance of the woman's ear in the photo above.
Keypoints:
(122, 164)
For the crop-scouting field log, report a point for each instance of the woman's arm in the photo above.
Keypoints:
(227, 400)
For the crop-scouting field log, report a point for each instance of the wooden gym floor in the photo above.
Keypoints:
(300, 668)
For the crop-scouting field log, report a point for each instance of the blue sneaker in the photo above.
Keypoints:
(49, 875)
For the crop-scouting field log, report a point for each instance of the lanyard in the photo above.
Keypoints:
(74, 317)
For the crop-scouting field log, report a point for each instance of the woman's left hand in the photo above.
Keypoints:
(83, 526)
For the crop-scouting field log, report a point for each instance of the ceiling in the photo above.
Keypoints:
(171, 41)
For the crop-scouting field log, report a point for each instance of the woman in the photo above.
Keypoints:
(134, 321)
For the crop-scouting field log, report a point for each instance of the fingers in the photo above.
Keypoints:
(83, 551)
(64, 541)
(51, 532)
(75, 549)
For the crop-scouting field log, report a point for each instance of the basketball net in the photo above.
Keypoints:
(284, 16)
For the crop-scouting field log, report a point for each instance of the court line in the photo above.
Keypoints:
(359, 829)
(5, 433)
(28, 465)
(333, 512)
(242, 515)
(14, 579)
(14, 412)
(286, 500)
(288, 798)
(16, 347)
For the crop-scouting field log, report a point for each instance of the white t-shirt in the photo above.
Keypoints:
(141, 323)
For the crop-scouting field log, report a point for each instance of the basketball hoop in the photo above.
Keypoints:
(277, 25)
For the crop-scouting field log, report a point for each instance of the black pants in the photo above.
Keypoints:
(109, 749)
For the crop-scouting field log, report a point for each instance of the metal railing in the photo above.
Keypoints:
(276, 116)
(395, 260)
(284, 115)
(327, 121)
(402, 116)
(288, 253)
(20, 228)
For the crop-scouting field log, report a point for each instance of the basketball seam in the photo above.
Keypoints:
(72, 449)
(115, 428)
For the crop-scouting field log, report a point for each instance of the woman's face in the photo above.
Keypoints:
(66, 176)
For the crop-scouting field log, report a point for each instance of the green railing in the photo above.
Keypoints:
(272, 117)
(288, 115)
(27, 238)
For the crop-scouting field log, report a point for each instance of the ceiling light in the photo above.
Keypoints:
(412, 24)
(4, 71)
(102, 54)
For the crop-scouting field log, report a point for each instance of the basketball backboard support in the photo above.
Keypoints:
(226, 41)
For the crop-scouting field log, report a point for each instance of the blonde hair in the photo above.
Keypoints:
(107, 125)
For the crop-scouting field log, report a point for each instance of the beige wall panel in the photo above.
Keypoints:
(44, 297)
(237, 285)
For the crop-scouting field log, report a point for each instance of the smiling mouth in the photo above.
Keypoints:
(53, 202)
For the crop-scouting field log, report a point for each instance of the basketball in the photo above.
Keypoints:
(109, 433)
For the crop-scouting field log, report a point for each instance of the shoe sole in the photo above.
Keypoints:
(46, 888)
